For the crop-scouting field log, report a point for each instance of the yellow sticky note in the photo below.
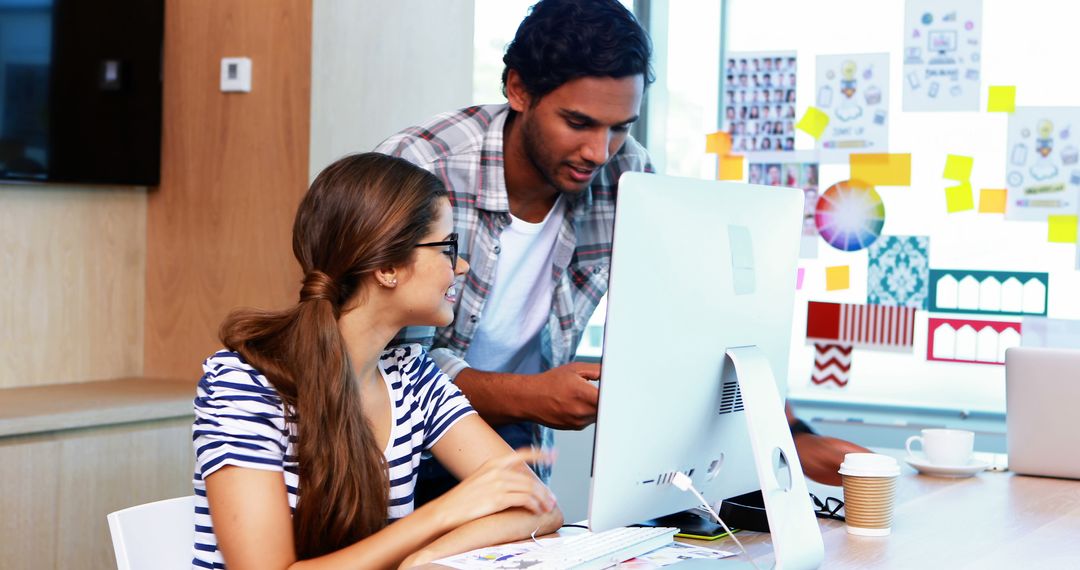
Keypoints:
(813, 122)
(958, 168)
(1002, 99)
(959, 198)
(1062, 228)
(992, 200)
(731, 167)
(718, 143)
(837, 278)
(881, 169)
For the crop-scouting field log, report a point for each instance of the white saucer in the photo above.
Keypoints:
(957, 471)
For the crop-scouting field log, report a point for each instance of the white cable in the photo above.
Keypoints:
(685, 484)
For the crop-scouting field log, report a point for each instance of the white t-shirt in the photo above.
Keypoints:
(508, 336)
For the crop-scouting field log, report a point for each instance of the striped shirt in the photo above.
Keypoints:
(465, 150)
(240, 420)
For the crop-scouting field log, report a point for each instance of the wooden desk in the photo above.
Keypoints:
(992, 520)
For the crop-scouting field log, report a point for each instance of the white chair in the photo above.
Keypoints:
(156, 535)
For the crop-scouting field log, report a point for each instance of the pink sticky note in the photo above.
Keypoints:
(799, 278)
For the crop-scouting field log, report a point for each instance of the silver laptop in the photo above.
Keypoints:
(1042, 404)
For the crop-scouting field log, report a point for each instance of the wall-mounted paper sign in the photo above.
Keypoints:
(942, 55)
(1042, 162)
(759, 100)
(832, 365)
(898, 271)
(853, 90)
(965, 340)
(864, 326)
(988, 292)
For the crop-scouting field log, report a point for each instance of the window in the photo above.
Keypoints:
(496, 22)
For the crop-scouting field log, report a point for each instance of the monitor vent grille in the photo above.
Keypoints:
(731, 398)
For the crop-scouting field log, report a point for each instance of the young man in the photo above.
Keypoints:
(533, 184)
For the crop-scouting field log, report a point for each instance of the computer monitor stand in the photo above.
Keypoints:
(796, 537)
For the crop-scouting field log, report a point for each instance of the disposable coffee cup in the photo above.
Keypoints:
(869, 493)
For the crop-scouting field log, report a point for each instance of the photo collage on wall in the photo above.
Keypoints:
(759, 101)
(794, 175)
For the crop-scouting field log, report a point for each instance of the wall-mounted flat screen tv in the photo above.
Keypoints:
(80, 91)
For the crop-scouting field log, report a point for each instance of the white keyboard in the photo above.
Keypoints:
(598, 550)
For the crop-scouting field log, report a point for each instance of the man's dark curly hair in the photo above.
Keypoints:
(562, 40)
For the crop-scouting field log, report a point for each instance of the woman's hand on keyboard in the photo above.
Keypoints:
(499, 484)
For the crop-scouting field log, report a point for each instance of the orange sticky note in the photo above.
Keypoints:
(881, 169)
(1002, 99)
(837, 277)
(958, 168)
(718, 143)
(813, 122)
(959, 198)
(992, 200)
(731, 167)
(1062, 228)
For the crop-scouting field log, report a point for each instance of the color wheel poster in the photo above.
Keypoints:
(853, 90)
(850, 215)
(942, 52)
(759, 100)
(1042, 173)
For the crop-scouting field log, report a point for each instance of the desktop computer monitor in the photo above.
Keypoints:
(697, 267)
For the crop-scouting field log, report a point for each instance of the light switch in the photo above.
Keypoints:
(236, 74)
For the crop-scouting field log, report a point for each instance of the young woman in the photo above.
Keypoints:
(308, 432)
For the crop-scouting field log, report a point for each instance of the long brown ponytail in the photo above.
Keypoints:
(361, 213)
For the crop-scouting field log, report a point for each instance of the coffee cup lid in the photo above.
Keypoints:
(869, 465)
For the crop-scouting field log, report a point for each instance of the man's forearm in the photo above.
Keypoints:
(498, 397)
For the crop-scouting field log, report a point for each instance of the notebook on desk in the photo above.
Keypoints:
(1042, 411)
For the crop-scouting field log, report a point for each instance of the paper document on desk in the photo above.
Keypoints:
(495, 557)
(672, 553)
(503, 556)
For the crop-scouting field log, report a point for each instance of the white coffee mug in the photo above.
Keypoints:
(951, 447)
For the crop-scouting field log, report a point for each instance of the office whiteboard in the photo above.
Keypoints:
(1023, 44)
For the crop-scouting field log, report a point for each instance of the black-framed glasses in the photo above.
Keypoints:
(828, 509)
(451, 243)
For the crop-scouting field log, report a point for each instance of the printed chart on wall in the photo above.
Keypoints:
(1043, 163)
(942, 53)
(759, 100)
(853, 90)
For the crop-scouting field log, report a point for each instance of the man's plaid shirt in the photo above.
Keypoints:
(465, 150)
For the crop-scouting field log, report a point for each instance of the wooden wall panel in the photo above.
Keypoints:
(31, 481)
(60, 486)
(234, 167)
(72, 282)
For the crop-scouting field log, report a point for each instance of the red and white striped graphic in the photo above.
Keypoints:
(865, 326)
(832, 364)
